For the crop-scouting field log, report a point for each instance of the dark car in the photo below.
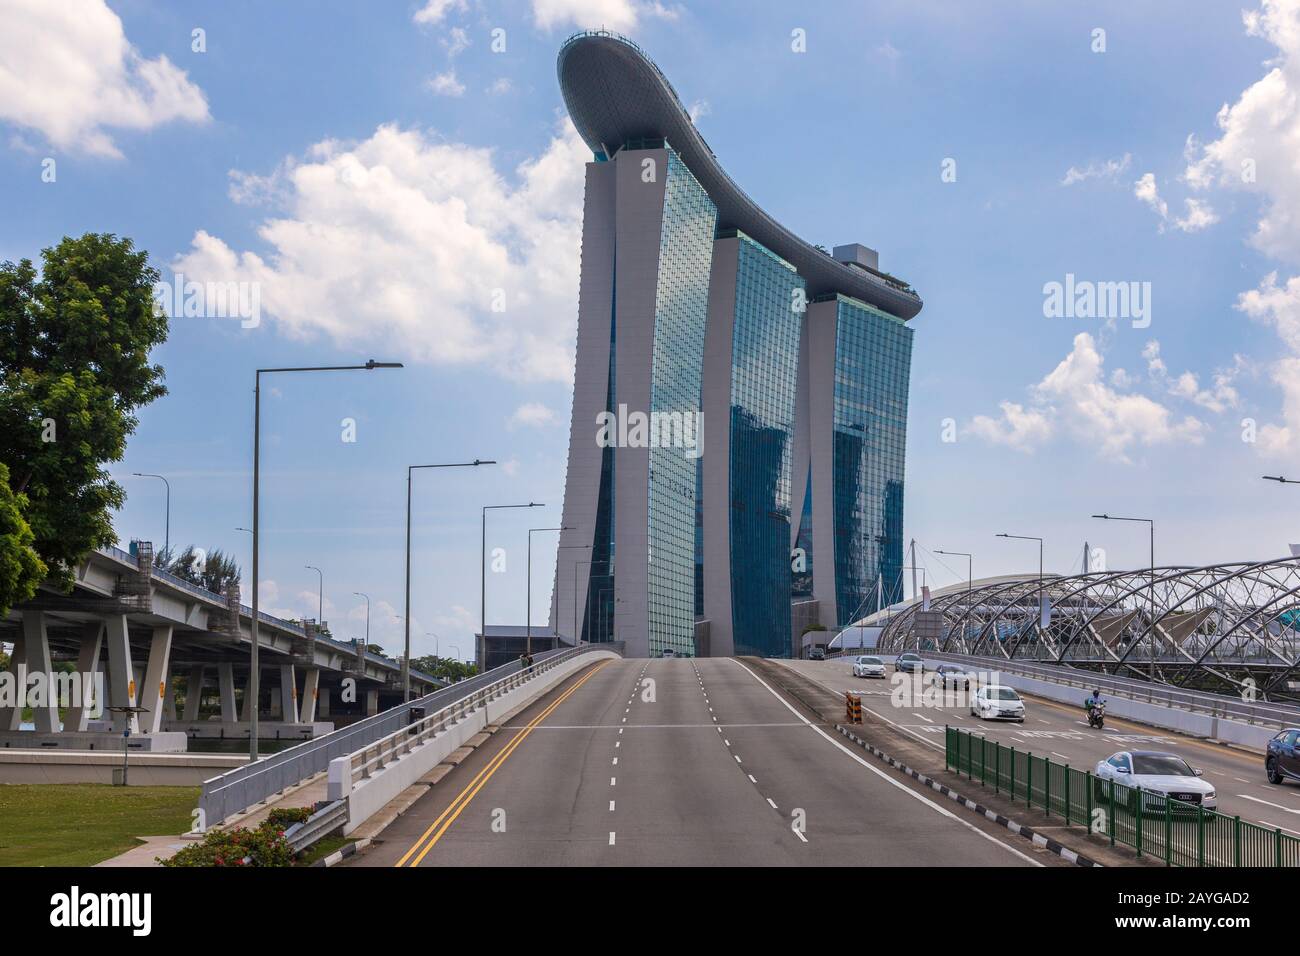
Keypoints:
(951, 674)
(909, 662)
(1282, 760)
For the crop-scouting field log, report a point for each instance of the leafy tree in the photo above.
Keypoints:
(21, 569)
(443, 667)
(74, 368)
(213, 570)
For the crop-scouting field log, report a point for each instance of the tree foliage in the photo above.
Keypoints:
(443, 667)
(214, 570)
(21, 569)
(74, 368)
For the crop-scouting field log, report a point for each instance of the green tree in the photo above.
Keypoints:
(213, 569)
(443, 667)
(74, 368)
(21, 569)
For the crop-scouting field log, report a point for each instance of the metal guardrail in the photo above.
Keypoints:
(1152, 824)
(1214, 705)
(242, 787)
(374, 757)
(320, 824)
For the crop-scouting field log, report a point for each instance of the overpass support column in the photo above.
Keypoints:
(121, 673)
(154, 695)
(226, 684)
(246, 712)
(36, 652)
(193, 693)
(324, 701)
(288, 695)
(372, 702)
(310, 687)
(12, 717)
(91, 677)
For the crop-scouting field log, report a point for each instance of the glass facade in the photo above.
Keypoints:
(764, 364)
(873, 357)
(681, 309)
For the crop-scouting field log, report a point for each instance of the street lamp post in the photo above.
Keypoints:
(577, 564)
(406, 665)
(167, 526)
(1029, 537)
(320, 594)
(367, 597)
(970, 577)
(1279, 478)
(1151, 628)
(528, 602)
(482, 568)
(254, 667)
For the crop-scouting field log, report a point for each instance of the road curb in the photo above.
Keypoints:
(341, 854)
(1065, 853)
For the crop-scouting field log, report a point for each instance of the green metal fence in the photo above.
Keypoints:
(1177, 833)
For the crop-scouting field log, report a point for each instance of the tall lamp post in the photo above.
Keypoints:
(320, 593)
(1029, 537)
(482, 568)
(167, 526)
(970, 577)
(367, 597)
(254, 676)
(1152, 627)
(1279, 478)
(406, 641)
(528, 603)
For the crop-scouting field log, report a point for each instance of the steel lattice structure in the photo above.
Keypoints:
(1229, 628)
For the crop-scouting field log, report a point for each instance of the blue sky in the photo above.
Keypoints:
(387, 179)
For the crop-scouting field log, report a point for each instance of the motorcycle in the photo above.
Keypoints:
(1097, 715)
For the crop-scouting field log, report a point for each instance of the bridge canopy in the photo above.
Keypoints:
(1227, 628)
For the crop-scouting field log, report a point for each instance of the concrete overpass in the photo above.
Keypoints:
(141, 627)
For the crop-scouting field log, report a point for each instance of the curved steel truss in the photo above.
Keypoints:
(1230, 628)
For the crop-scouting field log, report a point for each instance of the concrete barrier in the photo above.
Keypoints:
(146, 769)
(370, 795)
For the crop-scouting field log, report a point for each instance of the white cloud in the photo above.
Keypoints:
(423, 247)
(532, 415)
(1219, 398)
(446, 84)
(1258, 149)
(1019, 427)
(1094, 170)
(1199, 214)
(456, 42)
(698, 110)
(1279, 307)
(68, 71)
(500, 86)
(435, 10)
(1075, 396)
(620, 15)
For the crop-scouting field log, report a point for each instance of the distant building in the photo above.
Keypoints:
(735, 469)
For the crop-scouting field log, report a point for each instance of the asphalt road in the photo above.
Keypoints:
(1062, 733)
(703, 765)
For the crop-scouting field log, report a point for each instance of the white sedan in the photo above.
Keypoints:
(868, 667)
(995, 701)
(1160, 774)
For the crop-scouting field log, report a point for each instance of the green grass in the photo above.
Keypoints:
(322, 848)
(79, 824)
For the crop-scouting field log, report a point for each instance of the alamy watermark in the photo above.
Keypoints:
(1085, 299)
(625, 429)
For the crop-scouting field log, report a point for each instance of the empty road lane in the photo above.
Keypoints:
(678, 762)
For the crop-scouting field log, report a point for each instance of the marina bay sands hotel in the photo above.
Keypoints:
(736, 452)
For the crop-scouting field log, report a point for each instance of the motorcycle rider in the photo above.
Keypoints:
(1095, 700)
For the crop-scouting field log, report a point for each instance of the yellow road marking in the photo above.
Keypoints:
(474, 786)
